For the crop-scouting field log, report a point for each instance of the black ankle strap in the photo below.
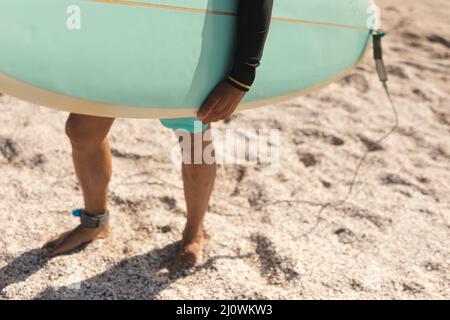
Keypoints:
(92, 221)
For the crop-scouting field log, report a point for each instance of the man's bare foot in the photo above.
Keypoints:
(74, 239)
(190, 253)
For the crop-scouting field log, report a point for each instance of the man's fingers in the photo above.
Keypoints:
(212, 116)
(208, 106)
(220, 113)
(228, 112)
(220, 104)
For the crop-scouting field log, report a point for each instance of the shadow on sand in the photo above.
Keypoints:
(22, 267)
(137, 278)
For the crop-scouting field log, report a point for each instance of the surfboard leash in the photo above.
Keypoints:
(377, 36)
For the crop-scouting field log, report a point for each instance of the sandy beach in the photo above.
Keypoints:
(265, 238)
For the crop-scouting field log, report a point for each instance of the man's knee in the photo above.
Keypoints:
(83, 131)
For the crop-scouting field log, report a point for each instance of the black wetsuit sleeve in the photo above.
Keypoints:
(254, 18)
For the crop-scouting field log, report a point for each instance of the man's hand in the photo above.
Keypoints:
(221, 103)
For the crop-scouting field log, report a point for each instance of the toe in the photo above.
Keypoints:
(54, 241)
(186, 260)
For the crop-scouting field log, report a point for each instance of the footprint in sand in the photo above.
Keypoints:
(308, 159)
(371, 145)
(239, 175)
(169, 202)
(357, 81)
(413, 287)
(345, 236)
(37, 161)
(419, 93)
(164, 229)
(434, 38)
(128, 155)
(128, 205)
(412, 39)
(398, 72)
(8, 149)
(300, 135)
(364, 214)
(275, 268)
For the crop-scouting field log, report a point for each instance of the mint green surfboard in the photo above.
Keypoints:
(161, 58)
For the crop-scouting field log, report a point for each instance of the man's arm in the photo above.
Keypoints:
(253, 26)
(254, 18)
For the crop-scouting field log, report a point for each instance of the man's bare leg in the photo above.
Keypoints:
(198, 180)
(92, 160)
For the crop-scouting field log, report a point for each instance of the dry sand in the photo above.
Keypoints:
(391, 240)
